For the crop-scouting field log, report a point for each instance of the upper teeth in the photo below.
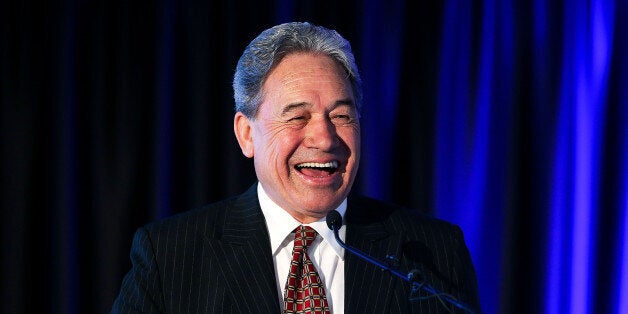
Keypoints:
(331, 164)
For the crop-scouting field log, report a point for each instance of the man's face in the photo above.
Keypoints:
(305, 140)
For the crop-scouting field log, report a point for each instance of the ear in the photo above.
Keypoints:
(244, 133)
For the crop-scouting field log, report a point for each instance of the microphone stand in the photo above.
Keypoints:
(410, 277)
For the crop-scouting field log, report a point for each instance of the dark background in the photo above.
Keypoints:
(507, 118)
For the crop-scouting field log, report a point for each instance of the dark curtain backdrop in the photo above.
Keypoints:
(508, 118)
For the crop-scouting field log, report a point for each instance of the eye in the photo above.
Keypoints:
(340, 119)
(296, 118)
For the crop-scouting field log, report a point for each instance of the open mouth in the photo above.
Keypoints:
(315, 169)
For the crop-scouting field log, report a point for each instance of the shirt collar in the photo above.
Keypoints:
(283, 223)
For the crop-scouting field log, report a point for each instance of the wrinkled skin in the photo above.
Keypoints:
(305, 139)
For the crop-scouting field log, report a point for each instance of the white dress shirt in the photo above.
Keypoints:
(326, 254)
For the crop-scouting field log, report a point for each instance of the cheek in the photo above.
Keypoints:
(351, 137)
(278, 147)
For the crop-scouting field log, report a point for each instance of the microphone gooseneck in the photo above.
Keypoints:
(334, 222)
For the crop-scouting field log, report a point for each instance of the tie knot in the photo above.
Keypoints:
(303, 237)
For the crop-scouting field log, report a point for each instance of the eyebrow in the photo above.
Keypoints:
(294, 106)
(344, 102)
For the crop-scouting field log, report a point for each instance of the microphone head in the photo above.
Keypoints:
(334, 220)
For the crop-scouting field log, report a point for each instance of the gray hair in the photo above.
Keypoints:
(268, 49)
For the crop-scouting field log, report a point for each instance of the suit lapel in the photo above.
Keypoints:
(368, 289)
(244, 256)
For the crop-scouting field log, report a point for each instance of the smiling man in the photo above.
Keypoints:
(305, 137)
(298, 95)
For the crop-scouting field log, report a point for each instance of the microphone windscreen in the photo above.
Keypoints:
(334, 220)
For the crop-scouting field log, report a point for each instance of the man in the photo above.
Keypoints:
(298, 95)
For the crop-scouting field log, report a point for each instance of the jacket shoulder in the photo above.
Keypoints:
(208, 220)
(366, 209)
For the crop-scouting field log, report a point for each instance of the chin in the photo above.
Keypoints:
(323, 209)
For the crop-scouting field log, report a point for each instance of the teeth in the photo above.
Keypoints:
(331, 164)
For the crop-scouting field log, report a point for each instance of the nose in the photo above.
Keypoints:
(321, 134)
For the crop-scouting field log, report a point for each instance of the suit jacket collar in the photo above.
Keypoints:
(245, 234)
(244, 220)
(243, 254)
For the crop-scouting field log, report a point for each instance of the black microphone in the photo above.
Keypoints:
(334, 222)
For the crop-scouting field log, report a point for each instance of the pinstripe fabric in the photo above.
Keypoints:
(212, 260)
(434, 247)
(217, 259)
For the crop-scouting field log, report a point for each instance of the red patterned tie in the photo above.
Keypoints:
(305, 293)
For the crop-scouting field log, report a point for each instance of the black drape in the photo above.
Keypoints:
(117, 113)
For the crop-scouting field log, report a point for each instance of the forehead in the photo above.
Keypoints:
(305, 75)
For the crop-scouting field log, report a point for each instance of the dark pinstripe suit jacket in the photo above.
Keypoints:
(217, 259)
